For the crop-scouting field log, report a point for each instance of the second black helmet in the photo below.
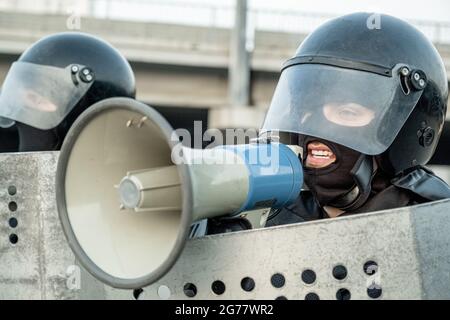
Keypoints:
(55, 80)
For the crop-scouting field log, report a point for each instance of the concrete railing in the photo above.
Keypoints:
(207, 14)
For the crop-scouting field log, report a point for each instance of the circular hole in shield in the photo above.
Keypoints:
(374, 291)
(164, 292)
(13, 223)
(190, 290)
(340, 272)
(12, 206)
(309, 276)
(370, 268)
(278, 280)
(343, 294)
(13, 238)
(312, 296)
(137, 293)
(12, 190)
(218, 287)
(247, 284)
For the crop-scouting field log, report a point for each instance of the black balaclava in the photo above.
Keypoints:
(33, 139)
(9, 139)
(335, 181)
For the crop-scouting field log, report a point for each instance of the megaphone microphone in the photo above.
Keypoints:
(128, 191)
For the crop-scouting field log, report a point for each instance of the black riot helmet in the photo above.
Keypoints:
(372, 83)
(55, 80)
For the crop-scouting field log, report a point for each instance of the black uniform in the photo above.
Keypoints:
(419, 186)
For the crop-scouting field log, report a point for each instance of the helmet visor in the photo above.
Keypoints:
(361, 110)
(41, 96)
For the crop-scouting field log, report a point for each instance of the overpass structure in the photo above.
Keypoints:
(175, 65)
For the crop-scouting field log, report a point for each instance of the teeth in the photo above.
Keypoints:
(320, 153)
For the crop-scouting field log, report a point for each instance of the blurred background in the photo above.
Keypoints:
(213, 61)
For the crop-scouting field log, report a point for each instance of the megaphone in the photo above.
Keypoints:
(128, 191)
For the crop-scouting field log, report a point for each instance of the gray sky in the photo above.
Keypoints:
(412, 9)
(434, 10)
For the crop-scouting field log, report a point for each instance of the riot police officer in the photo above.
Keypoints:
(367, 106)
(54, 81)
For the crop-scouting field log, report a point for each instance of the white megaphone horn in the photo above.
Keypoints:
(127, 196)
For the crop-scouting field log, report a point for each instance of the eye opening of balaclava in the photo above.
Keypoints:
(344, 184)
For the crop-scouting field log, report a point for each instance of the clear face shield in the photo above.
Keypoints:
(362, 110)
(42, 96)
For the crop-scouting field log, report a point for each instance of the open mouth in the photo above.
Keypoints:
(319, 155)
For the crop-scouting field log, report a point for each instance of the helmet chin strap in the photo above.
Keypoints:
(363, 173)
